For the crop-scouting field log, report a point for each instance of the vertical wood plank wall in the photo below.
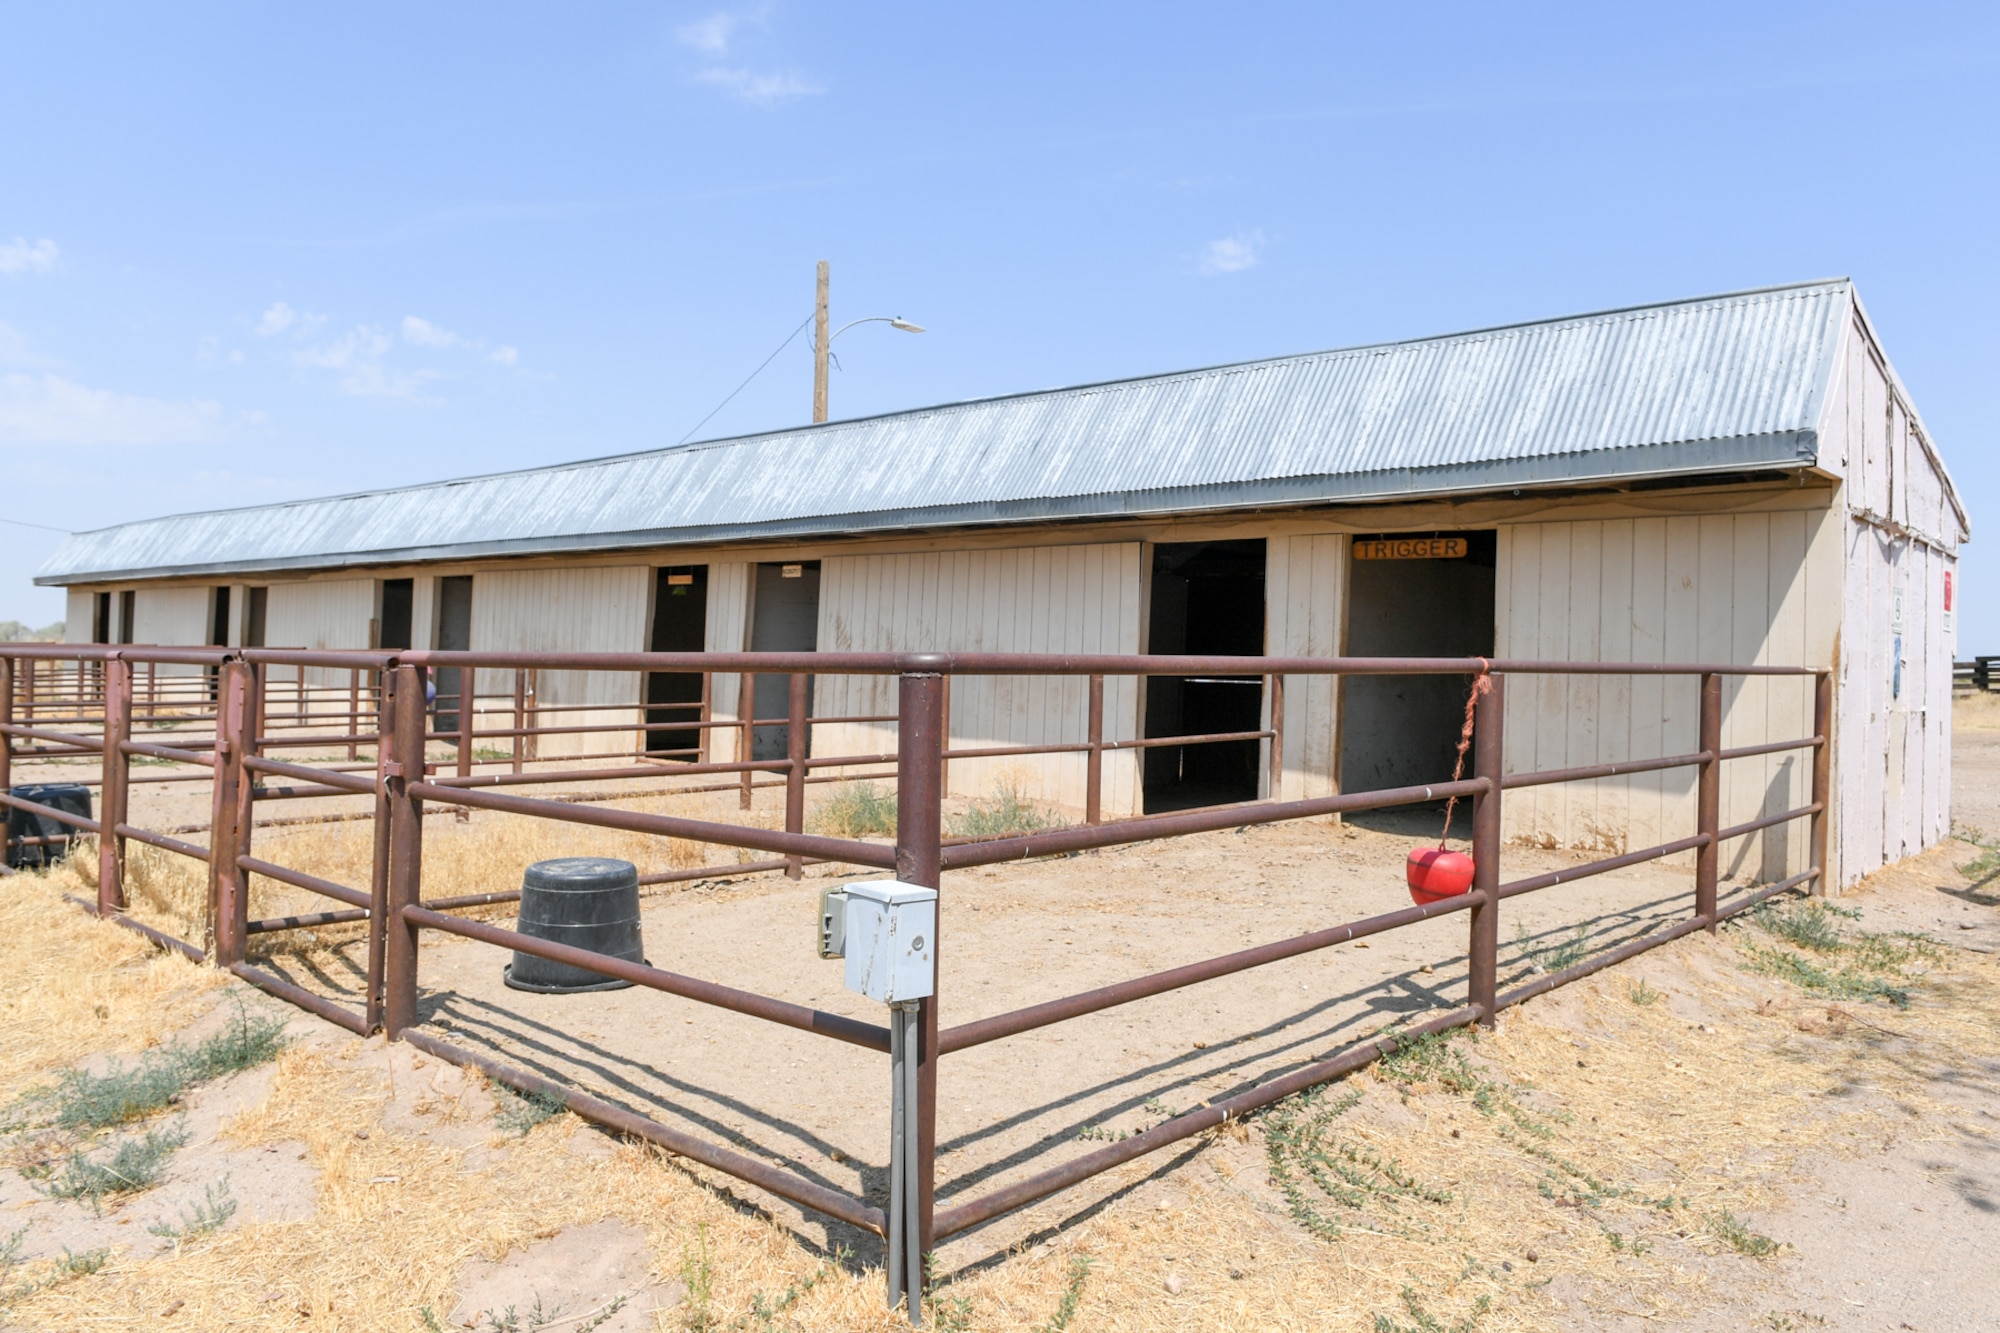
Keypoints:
(79, 607)
(728, 632)
(590, 610)
(323, 614)
(1050, 599)
(1744, 588)
(1305, 594)
(1893, 761)
(170, 615)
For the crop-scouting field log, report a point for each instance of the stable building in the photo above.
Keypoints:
(1739, 478)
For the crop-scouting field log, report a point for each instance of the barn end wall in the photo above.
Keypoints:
(1900, 545)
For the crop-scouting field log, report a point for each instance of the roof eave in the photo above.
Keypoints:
(1776, 451)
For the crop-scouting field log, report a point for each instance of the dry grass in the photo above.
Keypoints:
(1641, 1126)
(70, 986)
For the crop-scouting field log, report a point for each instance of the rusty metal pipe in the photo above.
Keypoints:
(50, 812)
(268, 924)
(1590, 772)
(1609, 863)
(298, 995)
(1775, 747)
(299, 879)
(1738, 830)
(159, 937)
(305, 773)
(1081, 838)
(162, 841)
(1822, 779)
(782, 1012)
(672, 826)
(978, 1033)
(1708, 797)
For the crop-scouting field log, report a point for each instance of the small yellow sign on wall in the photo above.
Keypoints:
(1411, 548)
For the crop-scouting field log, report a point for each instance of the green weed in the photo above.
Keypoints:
(214, 1210)
(856, 810)
(1004, 814)
(1311, 1166)
(1641, 994)
(1557, 956)
(81, 1100)
(1423, 1321)
(520, 1112)
(766, 1312)
(698, 1279)
(1725, 1227)
(1079, 1270)
(135, 1164)
(1843, 964)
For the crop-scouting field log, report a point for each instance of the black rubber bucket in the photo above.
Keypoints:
(586, 902)
(65, 796)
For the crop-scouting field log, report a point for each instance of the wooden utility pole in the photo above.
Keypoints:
(820, 348)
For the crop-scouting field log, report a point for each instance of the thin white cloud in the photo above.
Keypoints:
(1233, 254)
(357, 358)
(23, 256)
(759, 89)
(14, 349)
(426, 334)
(710, 35)
(504, 356)
(281, 318)
(47, 409)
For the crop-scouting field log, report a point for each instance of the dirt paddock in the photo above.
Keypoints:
(1618, 1155)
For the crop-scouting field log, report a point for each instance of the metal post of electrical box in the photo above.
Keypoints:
(886, 931)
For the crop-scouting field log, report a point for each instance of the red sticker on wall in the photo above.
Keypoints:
(1947, 590)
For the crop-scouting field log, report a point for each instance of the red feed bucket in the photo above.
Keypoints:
(1436, 874)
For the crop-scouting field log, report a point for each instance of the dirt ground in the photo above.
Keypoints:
(1619, 1155)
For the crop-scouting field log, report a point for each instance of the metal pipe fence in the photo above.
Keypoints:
(244, 704)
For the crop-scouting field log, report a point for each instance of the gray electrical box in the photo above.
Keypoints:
(890, 940)
(833, 923)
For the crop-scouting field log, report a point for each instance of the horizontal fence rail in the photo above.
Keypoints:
(373, 737)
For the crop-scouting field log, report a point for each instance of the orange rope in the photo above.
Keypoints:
(1480, 685)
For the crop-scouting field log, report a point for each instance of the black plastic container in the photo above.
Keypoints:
(587, 902)
(65, 796)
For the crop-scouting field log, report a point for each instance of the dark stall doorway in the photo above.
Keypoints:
(784, 619)
(256, 612)
(399, 598)
(1409, 595)
(680, 625)
(218, 632)
(454, 635)
(1208, 598)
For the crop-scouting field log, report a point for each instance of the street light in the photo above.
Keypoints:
(823, 341)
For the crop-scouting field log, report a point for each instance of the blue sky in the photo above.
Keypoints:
(255, 252)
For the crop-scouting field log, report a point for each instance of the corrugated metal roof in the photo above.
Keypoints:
(1721, 384)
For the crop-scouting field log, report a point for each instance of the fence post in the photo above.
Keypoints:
(1093, 778)
(1277, 736)
(378, 870)
(1822, 782)
(406, 849)
(468, 696)
(702, 747)
(520, 713)
(1483, 951)
(353, 713)
(919, 861)
(746, 713)
(229, 827)
(6, 757)
(1708, 800)
(112, 795)
(795, 774)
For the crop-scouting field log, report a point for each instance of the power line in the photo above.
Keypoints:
(746, 383)
(23, 523)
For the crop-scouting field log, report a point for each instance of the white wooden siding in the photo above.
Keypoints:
(79, 609)
(170, 616)
(728, 632)
(331, 614)
(1051, 599)
(1747, 589)
(583, 610)
(1305, 598)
